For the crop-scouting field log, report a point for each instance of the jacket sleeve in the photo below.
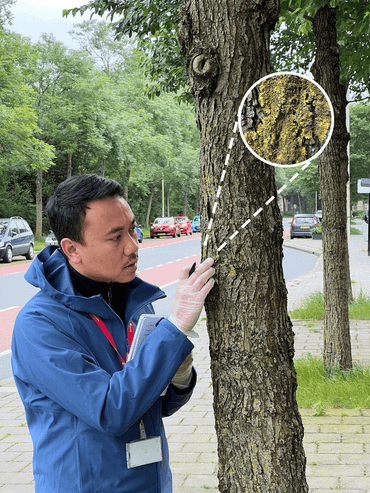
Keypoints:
(175, 398)
(59, 367)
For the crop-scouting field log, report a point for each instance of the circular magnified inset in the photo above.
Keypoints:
(286, 119)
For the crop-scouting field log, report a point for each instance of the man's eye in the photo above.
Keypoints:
(116, 238)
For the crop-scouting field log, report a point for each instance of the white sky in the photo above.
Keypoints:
(34, 17)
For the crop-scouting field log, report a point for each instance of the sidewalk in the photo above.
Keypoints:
(337, 444)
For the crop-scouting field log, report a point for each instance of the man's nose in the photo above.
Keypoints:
(131, 246)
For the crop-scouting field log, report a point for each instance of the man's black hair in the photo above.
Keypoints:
(66, 208)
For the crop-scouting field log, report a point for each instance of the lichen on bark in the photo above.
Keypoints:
(293, 119)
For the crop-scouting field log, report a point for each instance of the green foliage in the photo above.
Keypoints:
(154, 24)
(101, 119)
(21, 144)
(295, 36)
(318, 389)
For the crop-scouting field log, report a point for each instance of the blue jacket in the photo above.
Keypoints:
(81, 406)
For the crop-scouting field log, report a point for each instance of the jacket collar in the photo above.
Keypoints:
(50, 272)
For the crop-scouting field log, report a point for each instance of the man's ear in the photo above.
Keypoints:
(71, 250)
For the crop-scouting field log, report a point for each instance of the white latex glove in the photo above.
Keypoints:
(190, 295)
(182, 377)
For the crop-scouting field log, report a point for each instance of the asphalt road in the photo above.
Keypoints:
(160, 262)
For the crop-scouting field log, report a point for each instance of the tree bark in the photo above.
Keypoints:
(258, 425)
(333, 175)
(39, 204)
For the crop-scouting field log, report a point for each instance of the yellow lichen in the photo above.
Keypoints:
(296, 111)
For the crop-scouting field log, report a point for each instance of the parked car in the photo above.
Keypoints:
(302, 225)
(51, 239)
(185, 224)
(318, 215)
(16, 238)
(165, 226)
(196, 223)
(139, 234)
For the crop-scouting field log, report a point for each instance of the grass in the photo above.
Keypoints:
(318, 389)
(313, 308)
(356, 231)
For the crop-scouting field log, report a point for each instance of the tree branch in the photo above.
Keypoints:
(307, 17)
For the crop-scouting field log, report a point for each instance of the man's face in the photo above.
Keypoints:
(109, 252)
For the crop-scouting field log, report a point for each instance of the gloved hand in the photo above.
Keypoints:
(182, 377)
(190, 295)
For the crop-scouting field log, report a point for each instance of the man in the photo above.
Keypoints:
(88, 411)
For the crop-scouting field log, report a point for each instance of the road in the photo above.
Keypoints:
(160, 262)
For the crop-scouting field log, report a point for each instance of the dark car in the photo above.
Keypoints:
(139, 234)
(165, 226)
(302, 225)
(16, 238)
(185, 224)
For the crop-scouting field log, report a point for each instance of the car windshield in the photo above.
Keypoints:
(196, 218)
(304, 220)
(163, 220)
(3, 226)
(179, 219)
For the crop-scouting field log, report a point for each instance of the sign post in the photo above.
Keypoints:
(363, 186)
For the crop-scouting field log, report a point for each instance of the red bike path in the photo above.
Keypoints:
(160, 275)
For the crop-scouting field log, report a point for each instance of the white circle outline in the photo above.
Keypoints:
(286, 165)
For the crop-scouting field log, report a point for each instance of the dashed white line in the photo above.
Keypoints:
(257, 212)
(233, 236)
(294, 177)
(270, 200)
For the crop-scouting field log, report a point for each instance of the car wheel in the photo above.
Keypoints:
(8, 257)
(191, 231)
(174, 234)
(29, 254)
(141, 240)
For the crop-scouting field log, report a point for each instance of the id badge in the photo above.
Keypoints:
(143, 451)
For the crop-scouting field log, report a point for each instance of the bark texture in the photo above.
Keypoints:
(259, 429)
(333, 175)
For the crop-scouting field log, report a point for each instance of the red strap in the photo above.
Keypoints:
(108, 335)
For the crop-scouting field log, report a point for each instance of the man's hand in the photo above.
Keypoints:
(190, 296)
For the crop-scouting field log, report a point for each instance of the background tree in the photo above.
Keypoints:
(336, 68)
(259, 429)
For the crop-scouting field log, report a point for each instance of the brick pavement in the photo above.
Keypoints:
(337, 444)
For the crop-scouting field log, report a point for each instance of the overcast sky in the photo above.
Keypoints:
(34, 17)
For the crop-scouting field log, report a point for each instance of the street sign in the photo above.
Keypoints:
(363, 185)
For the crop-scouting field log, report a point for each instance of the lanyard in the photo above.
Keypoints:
(108, 335)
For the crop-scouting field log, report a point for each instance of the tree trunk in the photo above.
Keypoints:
(128, 172)
(185, 208)
(149, 207)
(69, 165)
(168, 203)
(333, 175)
(39, 204)
(258, 425)
(102, 167)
